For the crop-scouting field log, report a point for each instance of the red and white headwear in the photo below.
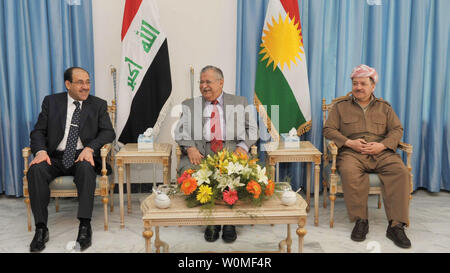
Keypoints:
(363, 70)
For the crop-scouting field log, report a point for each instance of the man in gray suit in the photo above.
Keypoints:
(213, 122)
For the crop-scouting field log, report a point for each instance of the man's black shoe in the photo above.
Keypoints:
(360, 230)
(229, 234)
(41, 236)
(84, 237)
(212, 233)
(398, 236)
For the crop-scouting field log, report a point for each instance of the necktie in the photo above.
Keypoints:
(216, 131)
(71, 145)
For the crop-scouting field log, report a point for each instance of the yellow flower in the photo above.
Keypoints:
(234, 158)
(204, 194)
(222, 165)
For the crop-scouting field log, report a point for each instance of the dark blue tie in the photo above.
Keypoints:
(71, 145)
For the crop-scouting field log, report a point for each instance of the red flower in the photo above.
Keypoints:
(184, 176)
(230, 197)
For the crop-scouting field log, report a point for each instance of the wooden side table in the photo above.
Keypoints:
(130, 154)
(306, 153)
(178, 214)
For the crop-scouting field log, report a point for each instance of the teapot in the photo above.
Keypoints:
(289, 198)
(162, 201)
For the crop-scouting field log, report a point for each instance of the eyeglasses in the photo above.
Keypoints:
(206, 82)
(80, 83)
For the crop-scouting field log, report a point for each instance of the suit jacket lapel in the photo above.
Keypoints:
(62, 113)
(85, 112)
(204, 118)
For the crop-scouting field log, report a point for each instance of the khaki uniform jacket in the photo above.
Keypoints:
(379, 123)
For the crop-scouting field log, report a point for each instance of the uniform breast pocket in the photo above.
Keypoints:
(350, 125)
(379, 124)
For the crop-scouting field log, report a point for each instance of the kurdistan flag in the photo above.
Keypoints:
(145, 82)
(281, 77)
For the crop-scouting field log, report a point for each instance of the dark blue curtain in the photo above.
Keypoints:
(407, 41)
(39, 39)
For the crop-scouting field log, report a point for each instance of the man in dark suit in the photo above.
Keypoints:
(66, 140)
(213, 122)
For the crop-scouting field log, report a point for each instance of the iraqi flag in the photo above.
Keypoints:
(145, 83)
(282, 77)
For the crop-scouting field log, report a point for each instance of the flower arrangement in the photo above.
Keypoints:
(226, 177)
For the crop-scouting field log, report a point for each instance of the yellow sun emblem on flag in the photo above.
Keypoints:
(281, 43)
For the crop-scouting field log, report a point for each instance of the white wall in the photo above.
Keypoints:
(199, 33)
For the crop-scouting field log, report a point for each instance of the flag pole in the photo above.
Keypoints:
(192, 81)
(114, 76)
(114, 102)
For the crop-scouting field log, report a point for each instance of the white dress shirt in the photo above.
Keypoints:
(70, 109)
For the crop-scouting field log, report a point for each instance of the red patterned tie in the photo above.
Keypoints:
(216, 131)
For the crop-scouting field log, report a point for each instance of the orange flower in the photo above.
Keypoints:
(186, 174)
(270, 188)
(253, 161)
(241, 155)
(189, 185)
(254, 188)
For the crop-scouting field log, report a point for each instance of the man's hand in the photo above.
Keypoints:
(41, 157)
(195, 157)
(373, 148)
(86, 155)
(356, 144)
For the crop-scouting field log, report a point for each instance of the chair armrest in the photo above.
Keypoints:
(254, 150)
(332, 148)
(408, 148)
(104, 151)
(178, 153)
(26, 153)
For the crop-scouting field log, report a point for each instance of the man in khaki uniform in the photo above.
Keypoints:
(367, 132)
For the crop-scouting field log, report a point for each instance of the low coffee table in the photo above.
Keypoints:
(178, 214)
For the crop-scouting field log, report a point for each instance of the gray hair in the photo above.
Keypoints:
(217, 70)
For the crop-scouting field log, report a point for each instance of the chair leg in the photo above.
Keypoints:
(111, 198)
(379, 201)
(105, 209)
(332, 199)
(325, 193)
(27, 202)
(56, 204)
